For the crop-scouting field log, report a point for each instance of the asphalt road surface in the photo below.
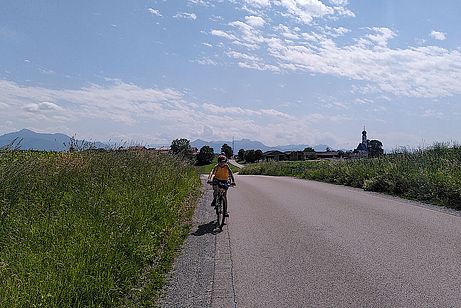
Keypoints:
(296, 243)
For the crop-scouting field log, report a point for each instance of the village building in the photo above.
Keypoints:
(327, 155)
(163, 150)
(359, 152)
(274, 156)
(295, 155)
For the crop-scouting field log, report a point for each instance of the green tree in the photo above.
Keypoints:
(241, 154)
(181, 147)
(205, 156)
(310, 153)
(375, 148)
(227, 150)
(258, 155)
(250, 156)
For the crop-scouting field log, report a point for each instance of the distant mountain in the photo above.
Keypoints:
(239, 144)
(247, 144)
(300, 147)
(28, 140)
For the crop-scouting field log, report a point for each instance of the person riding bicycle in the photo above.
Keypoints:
(221, 173)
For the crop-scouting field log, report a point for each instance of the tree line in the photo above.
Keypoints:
(182, 147)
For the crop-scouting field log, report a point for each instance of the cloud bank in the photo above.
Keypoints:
(151, 115)
(298, 43)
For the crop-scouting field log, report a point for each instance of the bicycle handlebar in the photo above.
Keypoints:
(212, 183)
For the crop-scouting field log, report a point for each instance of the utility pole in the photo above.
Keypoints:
(233, 146)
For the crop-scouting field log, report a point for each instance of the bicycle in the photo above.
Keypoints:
(221, 202)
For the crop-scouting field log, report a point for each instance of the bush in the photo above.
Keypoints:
(432, 175)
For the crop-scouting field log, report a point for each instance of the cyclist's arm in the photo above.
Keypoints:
(213, 171)
(231, 175)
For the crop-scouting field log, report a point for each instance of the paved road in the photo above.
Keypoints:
(296, 243)
(235, 163)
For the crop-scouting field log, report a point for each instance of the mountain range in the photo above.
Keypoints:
(248, 144)
(26, 139)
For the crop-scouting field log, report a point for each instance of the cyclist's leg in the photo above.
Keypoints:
(215, 194)
(226, 214)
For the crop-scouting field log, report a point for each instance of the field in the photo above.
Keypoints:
(90, 228)
(431, 175)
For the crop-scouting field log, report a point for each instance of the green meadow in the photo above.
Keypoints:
(90, 229)
(430, 175)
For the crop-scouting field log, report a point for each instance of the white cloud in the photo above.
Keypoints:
(129, 111)
(222, 34)
(417, 72)
(258, 3)
(206, 61)
(251, 62)
(336, 32)
(43, 106)
(239, 55)
(255, 21)
(259, 66)
(306, 10)
(287, 32)
(201, 2)
(424, 71)
(339, 2)
(250, 36)
(441, 36)
(190, 16)
(381, 36)
(215, 109)
(119, 102)
(154, 12)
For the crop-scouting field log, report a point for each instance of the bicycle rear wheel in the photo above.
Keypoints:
(220, 212)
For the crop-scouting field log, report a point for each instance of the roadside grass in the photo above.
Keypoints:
(206, 169)
(430, 175)
(96, 229)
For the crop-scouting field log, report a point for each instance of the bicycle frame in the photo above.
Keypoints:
(221, 203)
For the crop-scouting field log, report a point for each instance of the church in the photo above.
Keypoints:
(362, 148)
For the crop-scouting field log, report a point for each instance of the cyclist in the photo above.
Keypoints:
(221, 173)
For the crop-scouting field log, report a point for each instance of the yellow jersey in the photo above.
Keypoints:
(222, 173)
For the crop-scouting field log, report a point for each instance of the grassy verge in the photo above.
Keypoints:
(206, 169)
(90, 229)
(431, 175)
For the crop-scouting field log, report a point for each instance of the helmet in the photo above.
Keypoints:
(222, 158)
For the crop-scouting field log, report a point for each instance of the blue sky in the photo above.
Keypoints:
(277, 71)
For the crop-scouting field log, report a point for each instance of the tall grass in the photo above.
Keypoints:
(91, 229)
(431, 175)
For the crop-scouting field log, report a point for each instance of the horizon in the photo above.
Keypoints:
(279, 72)
(229, 142)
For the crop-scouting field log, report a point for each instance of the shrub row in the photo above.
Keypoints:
(430, 175)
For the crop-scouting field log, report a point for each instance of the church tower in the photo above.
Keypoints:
(362, 148)
(364, 138)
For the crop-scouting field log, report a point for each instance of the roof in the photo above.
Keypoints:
(330, 153)
(274, 152)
